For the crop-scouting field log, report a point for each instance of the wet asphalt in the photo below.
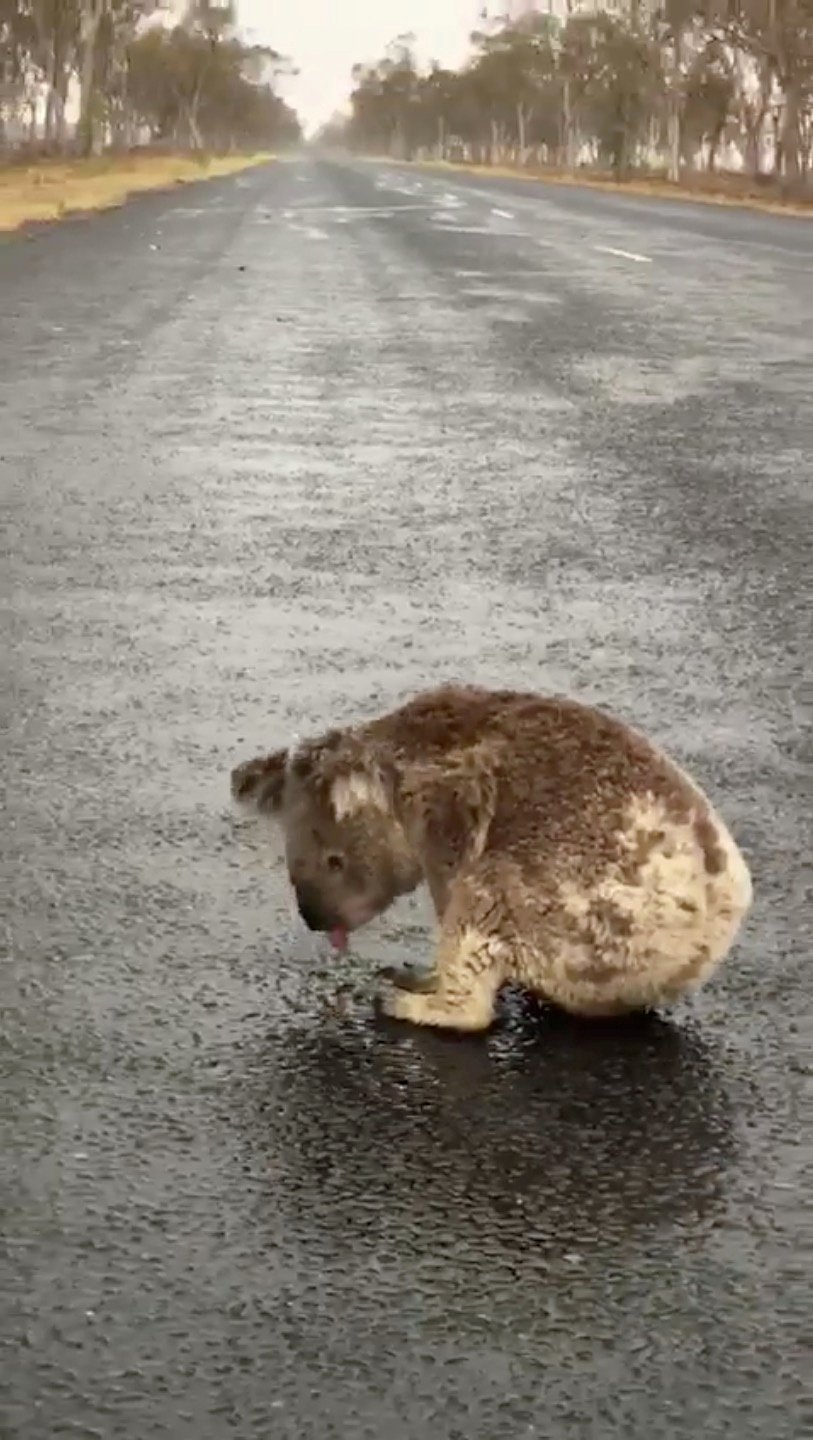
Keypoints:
(278, 451)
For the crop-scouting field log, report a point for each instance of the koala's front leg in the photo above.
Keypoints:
(459, 993)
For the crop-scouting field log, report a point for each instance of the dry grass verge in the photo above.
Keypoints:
(53, 189)
(705, 190)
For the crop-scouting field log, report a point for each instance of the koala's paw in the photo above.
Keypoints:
(406, 1005)
(414, 982)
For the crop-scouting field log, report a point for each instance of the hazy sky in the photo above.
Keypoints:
(325, 38)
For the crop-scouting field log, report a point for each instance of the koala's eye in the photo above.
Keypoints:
(335, 862)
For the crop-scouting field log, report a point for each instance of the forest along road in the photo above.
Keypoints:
(277, 451)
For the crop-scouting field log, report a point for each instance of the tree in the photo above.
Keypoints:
(57, 24)
(674, 27)
(710, 95)
(199, 86)
(437, 98)
(386, 102)
(615, 78)
(515, 69)
(674, 80)
(18, 46)
(777, 34)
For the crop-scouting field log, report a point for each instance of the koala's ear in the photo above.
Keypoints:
(260, 782)
(311, 760)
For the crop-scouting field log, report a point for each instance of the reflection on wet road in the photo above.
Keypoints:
(281, 450)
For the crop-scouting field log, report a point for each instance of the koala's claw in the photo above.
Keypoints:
(417, 982)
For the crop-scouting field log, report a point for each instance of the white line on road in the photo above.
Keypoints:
(352, 209)
(444, 227)
(624, 254)
(504, 214)
(312, 232)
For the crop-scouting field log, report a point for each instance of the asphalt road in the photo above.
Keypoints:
(277, 451)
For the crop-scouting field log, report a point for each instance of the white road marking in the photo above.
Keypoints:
(624, 254)
(504, 214)
(447, 227)
(353, 209)
(312, 232)
(383, 184)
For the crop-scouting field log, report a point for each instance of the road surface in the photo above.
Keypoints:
(279, 450)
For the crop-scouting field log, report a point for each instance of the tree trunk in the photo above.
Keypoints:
(675, 143)
(569, 128)
(50, 116)
(754, 117)
(62, 82)
(714, 146)
(521, 132)
(441, 144)
(90, 20)
(676, 109)
(805, 147)
(753, 138)
(620, 145)
(778, 148)
(195, 138)
(56, 101)
(790, 130)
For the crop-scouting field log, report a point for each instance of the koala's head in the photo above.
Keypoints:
(347, 855)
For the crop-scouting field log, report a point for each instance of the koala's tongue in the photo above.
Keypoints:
(338, 937)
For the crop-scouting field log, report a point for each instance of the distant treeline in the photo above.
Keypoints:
(676, 84)
(79, 75)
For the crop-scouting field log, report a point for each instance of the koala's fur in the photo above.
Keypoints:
(562, 851)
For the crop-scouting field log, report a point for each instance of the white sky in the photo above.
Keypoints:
(325, 38)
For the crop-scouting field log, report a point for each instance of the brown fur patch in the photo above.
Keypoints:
(450, 806)
(616, 921)
(597, 974)
(707, 839)
(682, 978)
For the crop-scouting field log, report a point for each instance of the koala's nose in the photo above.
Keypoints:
(309, 912)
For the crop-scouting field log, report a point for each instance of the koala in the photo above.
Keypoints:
(562, 850)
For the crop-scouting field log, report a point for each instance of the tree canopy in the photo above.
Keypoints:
(197, 84)
(648, 84)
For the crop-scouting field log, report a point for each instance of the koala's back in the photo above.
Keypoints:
(565, 772)
(577, 793)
